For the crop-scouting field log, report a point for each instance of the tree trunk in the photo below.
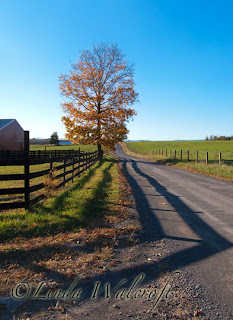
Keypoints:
(100, 151)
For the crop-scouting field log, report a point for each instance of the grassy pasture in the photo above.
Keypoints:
(86, 148)
(147, 149)
(213, 148)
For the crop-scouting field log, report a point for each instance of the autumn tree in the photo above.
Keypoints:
(100, 92)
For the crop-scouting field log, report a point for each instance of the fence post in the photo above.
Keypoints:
(175, 153)
(170, 153)
(86, 160)
(180, 154)
(51, 167)
(72, 169)
(26, 170)
(64, 177)
(196, 156)
(220, 158)
(188, 155)
(78, 156)
(207, 157)
(166, 153)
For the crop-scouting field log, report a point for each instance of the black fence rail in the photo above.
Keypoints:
(62, 166)
(7, 154)
(71, 166)
(52, 153)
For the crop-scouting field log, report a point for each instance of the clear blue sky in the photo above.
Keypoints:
(182, 51)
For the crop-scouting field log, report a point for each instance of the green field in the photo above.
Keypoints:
(160, 151)
(212, 147)
(86, 148)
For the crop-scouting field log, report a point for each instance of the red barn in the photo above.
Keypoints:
(11, 135)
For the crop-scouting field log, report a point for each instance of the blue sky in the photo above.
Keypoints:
(182, 51)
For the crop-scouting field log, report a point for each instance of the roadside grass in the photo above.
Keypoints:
(72, 234)
(224, 172)
(70, 209)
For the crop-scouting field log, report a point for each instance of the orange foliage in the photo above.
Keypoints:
(100, 91)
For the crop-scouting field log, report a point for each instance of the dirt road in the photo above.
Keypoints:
(195, 214)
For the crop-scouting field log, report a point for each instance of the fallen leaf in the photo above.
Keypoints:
(196, 313)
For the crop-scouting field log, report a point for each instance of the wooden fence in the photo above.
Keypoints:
(7, 154)
(183, 155)
(71, 164)
(180, 155)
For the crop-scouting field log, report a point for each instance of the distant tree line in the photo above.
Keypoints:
(215, 138)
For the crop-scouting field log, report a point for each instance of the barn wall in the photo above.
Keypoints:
(9, 135)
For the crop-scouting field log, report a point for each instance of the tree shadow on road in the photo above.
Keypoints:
(211, 242)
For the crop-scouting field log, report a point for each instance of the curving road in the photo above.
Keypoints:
(195, 213)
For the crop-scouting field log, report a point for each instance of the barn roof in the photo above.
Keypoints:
(5, 122)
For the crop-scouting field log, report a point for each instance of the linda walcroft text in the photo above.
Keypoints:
(123, 290)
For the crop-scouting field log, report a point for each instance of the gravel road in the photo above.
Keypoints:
(194, 213)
